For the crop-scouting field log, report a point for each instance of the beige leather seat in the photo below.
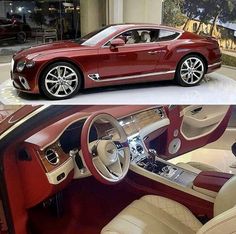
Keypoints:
(158, 215)
(145, 37)
(197, 167)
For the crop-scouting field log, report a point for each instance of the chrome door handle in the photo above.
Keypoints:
(152, 52)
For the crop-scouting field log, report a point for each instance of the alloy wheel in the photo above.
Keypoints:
(61, 81)
(192, 70)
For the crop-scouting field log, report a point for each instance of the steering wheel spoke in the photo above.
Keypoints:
(108, 160)
(116, 168)
(102, 168)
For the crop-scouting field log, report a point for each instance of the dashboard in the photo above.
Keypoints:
(57, 148)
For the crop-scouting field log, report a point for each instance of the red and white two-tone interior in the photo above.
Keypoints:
(114, 169)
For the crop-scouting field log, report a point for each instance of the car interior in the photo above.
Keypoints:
(147, 36)
(117, 169)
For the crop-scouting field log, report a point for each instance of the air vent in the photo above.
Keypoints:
(52, 156)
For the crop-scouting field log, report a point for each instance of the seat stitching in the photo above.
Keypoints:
(175, 207)
(153, 217)
(223, 221)
(170, 215)
(133, 224)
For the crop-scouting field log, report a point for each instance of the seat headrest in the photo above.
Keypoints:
(145, 37)
(226, 198)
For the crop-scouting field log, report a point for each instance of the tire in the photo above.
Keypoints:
(54, 84)
(190, 71)
(21, 37)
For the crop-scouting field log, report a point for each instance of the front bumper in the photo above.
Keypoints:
(25, 81)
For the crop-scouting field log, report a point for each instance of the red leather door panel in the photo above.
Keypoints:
(183, 145)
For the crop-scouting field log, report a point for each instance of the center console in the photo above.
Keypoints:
(149, 161)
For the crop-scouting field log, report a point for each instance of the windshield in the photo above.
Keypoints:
(93, 38)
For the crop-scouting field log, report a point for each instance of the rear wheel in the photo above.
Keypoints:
(190, 71)
(61, 80)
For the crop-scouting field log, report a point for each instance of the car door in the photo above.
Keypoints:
(132, 59)
(194, 126)
(7, 29)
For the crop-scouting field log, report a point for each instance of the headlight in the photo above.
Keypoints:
(20, 66)
(30, 64)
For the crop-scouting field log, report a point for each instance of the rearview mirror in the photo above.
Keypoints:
(117, 42)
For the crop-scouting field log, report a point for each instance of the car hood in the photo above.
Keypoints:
(49, 48)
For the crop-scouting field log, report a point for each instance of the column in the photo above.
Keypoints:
(115, 11)
(92, 15)
(143, 11)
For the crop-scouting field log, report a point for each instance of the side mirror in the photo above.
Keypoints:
(117, 42)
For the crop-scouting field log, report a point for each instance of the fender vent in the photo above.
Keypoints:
(52, 156)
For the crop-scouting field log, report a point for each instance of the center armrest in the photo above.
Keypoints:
(210, 182)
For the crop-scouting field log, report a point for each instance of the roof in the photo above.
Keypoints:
(148, 25)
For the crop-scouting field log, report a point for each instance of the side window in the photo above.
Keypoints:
(166, 35)
(139, 36)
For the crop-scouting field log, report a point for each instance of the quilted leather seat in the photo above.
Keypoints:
(158, 215)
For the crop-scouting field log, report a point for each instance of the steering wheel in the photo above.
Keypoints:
(106, 158)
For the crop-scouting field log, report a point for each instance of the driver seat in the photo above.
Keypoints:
(155, 214)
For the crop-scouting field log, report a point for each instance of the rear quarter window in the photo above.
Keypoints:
(167, 35)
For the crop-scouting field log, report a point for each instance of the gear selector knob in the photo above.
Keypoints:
(152, 155)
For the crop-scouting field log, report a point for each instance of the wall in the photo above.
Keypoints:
(225, 36)
(96, 13)
(142, 11)
(92, 15)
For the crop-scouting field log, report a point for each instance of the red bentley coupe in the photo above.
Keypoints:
(115, 54)
(106, 169)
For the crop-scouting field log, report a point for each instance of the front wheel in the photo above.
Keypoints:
(190, 71)
(61, 80)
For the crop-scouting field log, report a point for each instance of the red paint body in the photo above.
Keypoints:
(127, 60)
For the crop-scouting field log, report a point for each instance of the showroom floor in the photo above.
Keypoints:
(209, 92)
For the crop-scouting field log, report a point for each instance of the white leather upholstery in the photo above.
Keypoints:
(205, 191)
(186, 166)
(153, 214)
(226, 197)
(145, 37)
(224, 223)
(197, 167)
